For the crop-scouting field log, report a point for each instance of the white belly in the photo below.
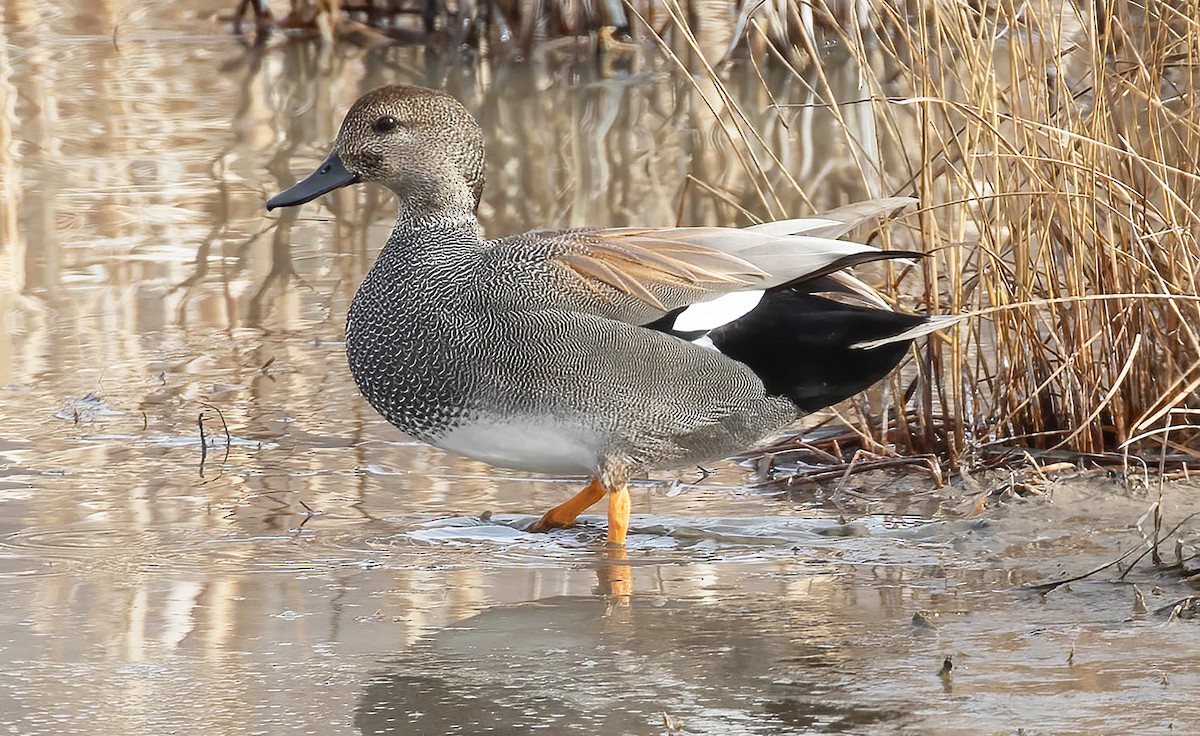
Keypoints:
(542, 445)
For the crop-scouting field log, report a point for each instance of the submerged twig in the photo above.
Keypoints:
(1169, 534)
(203, 443)
(204, 439)
(1045, 588)
(308, 514)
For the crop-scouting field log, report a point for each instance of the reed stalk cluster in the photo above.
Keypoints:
(1053, 147)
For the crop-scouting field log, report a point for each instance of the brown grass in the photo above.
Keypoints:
(1053, 148)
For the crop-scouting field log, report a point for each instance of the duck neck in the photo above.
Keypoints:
(438, 203)
(427, 238)
(408, 220)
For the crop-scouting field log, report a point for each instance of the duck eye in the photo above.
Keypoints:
(385, 124)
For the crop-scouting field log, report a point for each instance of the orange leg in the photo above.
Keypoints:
(618, 514)
(564, 514)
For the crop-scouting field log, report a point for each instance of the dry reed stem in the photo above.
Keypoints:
(1053, 148)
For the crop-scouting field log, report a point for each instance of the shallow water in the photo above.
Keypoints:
(309, 570)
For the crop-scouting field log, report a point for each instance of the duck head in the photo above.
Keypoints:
(420, 143)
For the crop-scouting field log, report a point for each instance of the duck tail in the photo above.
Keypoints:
(929, 326)
(807, 347)
(835, 223)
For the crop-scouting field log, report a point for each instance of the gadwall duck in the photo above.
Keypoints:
(606, 353)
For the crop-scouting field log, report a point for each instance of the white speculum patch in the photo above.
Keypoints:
(720, 311)
(535, 445)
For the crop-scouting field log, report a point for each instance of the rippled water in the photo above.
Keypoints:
(203, 529)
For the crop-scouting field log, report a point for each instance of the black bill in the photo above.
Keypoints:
(331, 174)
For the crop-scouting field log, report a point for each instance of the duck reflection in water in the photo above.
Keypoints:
(608, 353)
(562, 664)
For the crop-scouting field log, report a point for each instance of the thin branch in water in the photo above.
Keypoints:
(203, 443)
(308, 514)
(204, 440)
(1045, 588)
(1169, 534)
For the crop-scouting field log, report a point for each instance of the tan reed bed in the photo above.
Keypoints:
(1054, 151)
(507, 26)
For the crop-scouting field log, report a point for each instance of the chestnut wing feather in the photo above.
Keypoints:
(654, 266)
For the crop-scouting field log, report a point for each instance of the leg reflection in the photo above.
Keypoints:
(615, 575)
